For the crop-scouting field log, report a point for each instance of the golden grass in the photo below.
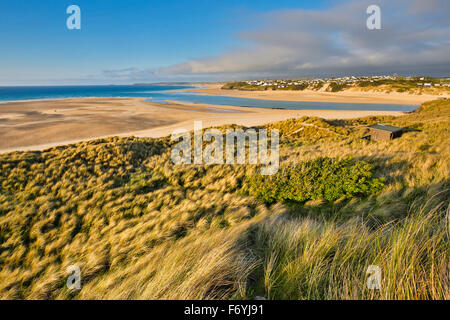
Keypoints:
(309, 259)
(142, 228)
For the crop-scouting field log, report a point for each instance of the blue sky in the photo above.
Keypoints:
(137, 40)
(118, 34)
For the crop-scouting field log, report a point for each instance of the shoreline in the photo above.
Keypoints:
(62, 99)
(39, 125)
(347, 96)
(194, 87)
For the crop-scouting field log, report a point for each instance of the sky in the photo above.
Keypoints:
(129, 41)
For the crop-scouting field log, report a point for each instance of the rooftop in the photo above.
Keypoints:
(385, 127)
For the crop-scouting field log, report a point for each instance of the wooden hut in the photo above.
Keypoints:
(382, 131)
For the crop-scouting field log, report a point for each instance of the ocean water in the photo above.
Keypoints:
(160, 93)
(58, 92)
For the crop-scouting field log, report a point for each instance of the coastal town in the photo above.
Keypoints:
(348, 81)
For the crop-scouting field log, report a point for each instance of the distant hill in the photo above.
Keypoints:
(417, 85)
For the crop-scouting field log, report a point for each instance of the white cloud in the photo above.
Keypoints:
(415, 38)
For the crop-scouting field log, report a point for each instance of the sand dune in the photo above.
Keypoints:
(37, 125)
(347, 96)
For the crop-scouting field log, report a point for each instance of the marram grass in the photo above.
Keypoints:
(140, 227)
(306, 259)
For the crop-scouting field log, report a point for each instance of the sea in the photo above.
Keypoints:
(164, 93)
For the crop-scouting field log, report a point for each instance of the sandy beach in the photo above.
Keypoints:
(347, 96)
(37, 125)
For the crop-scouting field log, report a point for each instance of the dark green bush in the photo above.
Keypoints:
(146, 182)
(322, 178)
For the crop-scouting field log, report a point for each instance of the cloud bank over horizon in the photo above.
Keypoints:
(414, 39)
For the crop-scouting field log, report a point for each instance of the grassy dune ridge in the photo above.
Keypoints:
(140, 227)
(399, 85)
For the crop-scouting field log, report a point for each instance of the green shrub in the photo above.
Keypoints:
(336, 87)
(145, 182)
(322, 178)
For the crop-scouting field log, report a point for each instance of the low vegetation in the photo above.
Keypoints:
(140, 227)
(417, 85)
(320, 179)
